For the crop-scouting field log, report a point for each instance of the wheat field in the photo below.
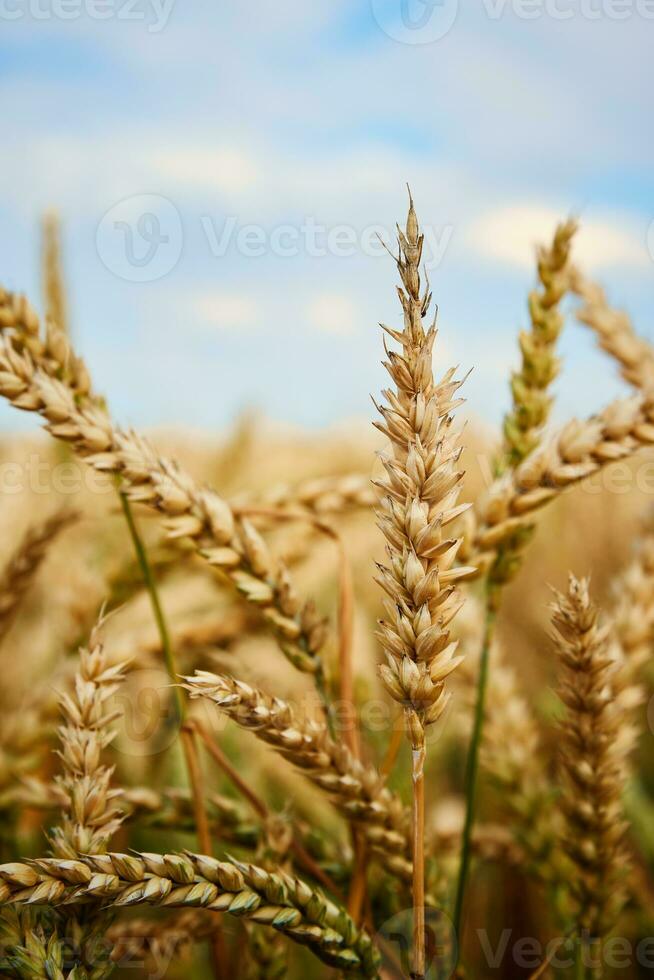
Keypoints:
(368, 702)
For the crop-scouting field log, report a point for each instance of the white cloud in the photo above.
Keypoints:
(509, 234)
(228, 168)
(332, 313)
(226, 311)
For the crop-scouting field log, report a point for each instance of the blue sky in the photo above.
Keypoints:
(252, 150)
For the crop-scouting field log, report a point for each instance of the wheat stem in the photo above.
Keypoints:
(472, 769)
(418, 837)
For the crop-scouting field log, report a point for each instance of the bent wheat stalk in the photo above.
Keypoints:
(324, 495)
(229, 543)
(357, 790)
(581, 450)
(197, 881)
(614, 331)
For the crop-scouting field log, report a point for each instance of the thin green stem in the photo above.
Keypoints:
(159, 617)
(472, 768)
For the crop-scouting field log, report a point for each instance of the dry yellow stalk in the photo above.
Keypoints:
(592, 762)
(356, 790)
(19, 572)
(229, 543)
(615, 332)
(530, 385)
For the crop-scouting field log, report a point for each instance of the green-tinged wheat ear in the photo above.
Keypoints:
(530, 385)
(275, 899)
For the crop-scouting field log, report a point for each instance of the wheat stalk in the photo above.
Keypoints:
(229, 543)
(591, 760)
(269, 956)
(632, 611)
(279, 900)
(418, 502)
(581, 450)
(356, 790)
(20, 570)
(614, 331)
(323, 495)
(530, 385)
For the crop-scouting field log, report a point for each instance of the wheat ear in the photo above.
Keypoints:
(269, 956)
(229, 543)
(324, 495)
(582, 449)
(18, 573)
(279, 900)
(632, 609)
(54, 292)
(591, 761)
(92, 815)
(356, 790)
(418, 503)
(614, 331)
(530, 385)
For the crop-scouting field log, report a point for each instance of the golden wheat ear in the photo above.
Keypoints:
(356, 790)
(20, 571)
(614, 331)
(591, 760)
(29, 379)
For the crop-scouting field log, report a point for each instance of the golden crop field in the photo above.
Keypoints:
(373, 701)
